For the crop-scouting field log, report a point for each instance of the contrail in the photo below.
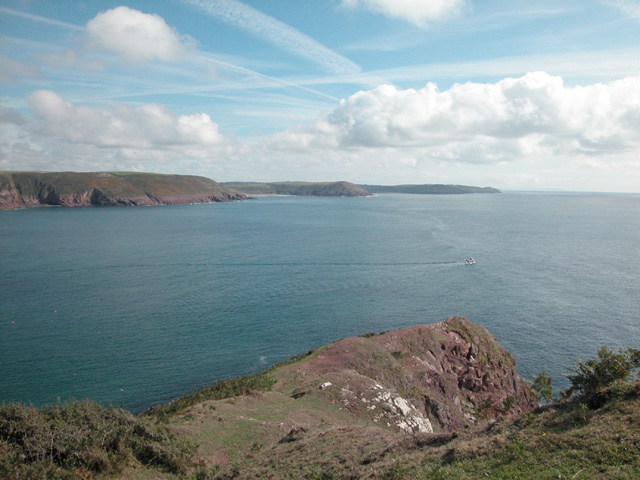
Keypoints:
(38, 18)
(277, 33)
(272, 79)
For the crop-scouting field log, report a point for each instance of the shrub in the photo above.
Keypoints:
(508, 403)
(56, 441)
(593, 376)
(368, 334)
(580, 411)
(541, 387)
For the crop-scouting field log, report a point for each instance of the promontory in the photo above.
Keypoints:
(79, 189)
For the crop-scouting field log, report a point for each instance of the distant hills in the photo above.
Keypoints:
(319, 189)
(346, 189)
(429, 189)
(71, 189)
(30, 189)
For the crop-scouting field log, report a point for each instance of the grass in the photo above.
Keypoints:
(218, 390)
(558, 441)
(222, 389)
(233, 429)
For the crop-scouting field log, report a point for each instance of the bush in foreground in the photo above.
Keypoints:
(81, 439)
(589, 379)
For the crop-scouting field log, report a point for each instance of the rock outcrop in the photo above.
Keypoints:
(428, 378)
(358, 402)
(74, 189)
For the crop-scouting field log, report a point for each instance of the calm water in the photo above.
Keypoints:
(135, 306)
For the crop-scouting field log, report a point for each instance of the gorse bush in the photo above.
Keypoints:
(82, 439)
(541, 387)
(591, 377)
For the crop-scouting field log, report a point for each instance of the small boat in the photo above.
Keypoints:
(469, 261)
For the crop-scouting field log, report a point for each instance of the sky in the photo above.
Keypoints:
(517, 95)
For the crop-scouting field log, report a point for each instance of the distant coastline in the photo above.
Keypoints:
(429, 189)
(347, 189)
(82, 189)
(315, 189)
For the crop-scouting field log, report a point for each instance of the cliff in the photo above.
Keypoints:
(429, 189)
(74, 189)
(318, 189)
(349, 396)
(426, 402)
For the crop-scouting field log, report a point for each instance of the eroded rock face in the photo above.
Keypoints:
(83, 189)
(428, 378)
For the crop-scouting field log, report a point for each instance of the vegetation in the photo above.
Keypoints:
(222, 389)
(591, 378)
(541, 387)
(218, 390)
(573, 438)
(81, 439)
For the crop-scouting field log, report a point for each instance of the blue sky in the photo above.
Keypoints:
(510, 94)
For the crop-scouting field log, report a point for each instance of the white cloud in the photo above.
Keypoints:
(135, 36)
(61, 135)
(533, 116)
(277, 33)
(414, 11)
(121, 126)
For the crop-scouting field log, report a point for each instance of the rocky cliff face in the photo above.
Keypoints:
(72, 189)
(358, 400)
(428, 378)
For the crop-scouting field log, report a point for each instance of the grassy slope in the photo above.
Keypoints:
(556, 441)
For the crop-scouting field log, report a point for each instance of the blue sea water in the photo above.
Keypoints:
(135, 306)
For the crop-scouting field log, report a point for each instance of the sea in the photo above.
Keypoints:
(134, 306)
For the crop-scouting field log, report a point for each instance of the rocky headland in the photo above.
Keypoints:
(81, 189)
(357, 396)
(426, 402)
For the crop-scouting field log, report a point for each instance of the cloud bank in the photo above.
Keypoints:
(135, 36)
(517, 131)
(417, 12)
(531, 116)
(119, 125)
